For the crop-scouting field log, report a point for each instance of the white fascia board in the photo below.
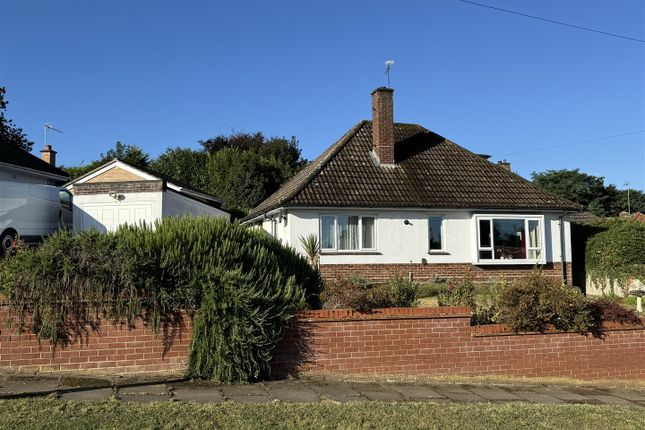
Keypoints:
(193, 193)
(420, 209)
(34, 172)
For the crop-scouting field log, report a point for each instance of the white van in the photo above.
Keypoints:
(31, 212)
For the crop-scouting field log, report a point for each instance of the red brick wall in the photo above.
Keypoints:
(412, 341)
(429, 343)
(424, 272)
(110, 349)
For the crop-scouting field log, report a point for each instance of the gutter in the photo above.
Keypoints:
(34, 172)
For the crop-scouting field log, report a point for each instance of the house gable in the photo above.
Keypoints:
(116, 174)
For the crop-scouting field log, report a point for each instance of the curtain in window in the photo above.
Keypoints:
(534, 239)
(368, 233)
(327, 232)
(347, 232)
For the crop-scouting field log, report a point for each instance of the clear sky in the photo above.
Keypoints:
(169, 73)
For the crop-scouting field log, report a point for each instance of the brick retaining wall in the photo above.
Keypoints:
(440, 341)
(410, 341)
(425, 272)
(109, 349)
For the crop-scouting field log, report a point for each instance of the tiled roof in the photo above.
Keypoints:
(430, 172)
(581, 217)
(11, 154)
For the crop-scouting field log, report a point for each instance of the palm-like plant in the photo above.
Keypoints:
(311, 245)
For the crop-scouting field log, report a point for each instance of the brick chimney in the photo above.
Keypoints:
(383, 125)
(48, 155)
(505, 164)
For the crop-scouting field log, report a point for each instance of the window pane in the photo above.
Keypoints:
(435, 232)
(534, 233)
(485, 255)
(347, 232)
(534, 254)
(327, 233)
(509, 239)
(368, 233)
(484, 233)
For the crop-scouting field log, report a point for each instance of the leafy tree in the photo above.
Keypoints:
(131, 154)
(243, 178)
(184, 164)
(571, 184)
(9, 132)
(589, 191)
(279, 149)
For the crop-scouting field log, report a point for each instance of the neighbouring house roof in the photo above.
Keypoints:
(14, 156)
(131, 173)
(430, 172)
(581, 217)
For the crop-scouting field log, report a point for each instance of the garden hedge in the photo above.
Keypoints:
(241, 285)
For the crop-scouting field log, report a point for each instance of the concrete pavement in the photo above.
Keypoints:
(310, 390)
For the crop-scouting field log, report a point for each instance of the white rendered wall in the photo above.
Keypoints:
(174, 204)
(400, 243)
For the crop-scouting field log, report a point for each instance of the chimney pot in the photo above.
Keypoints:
(48, 155)
(383, 125)
(505, 164)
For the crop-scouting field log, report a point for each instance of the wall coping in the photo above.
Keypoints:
(503, 330)
(382, 314)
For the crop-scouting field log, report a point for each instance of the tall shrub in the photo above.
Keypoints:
(241, 283)
(617, 254)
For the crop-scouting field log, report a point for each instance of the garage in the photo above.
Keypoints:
(117, 194)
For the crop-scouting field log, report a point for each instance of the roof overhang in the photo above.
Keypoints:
(34, 172)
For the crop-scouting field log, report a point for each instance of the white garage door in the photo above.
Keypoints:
(108, 218)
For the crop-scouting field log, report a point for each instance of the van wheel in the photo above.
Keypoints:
(7, 242)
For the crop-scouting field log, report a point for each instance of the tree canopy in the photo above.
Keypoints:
(9, 132)
(242, 169)
(589, 191)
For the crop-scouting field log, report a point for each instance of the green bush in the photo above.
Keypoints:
(241, 283)
(534, 303)
(617, 254)
(359, 294)
(460, 294)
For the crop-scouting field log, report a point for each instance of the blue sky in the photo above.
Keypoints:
(167, 73)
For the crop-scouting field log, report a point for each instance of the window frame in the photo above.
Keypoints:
(441, 250)
(493, 261)
(360, 233)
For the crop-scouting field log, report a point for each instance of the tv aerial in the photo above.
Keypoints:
(48, 127)
(388, 66)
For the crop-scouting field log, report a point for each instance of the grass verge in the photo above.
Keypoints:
(55, 414)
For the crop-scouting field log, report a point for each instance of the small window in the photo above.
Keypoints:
(347, 232)
(369, 241)
(328, 235)
(435, 225)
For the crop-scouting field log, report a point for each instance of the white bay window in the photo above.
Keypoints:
(347, 233)
(510, 239)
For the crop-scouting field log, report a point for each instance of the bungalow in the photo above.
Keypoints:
(118, 193)
(392, 199)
